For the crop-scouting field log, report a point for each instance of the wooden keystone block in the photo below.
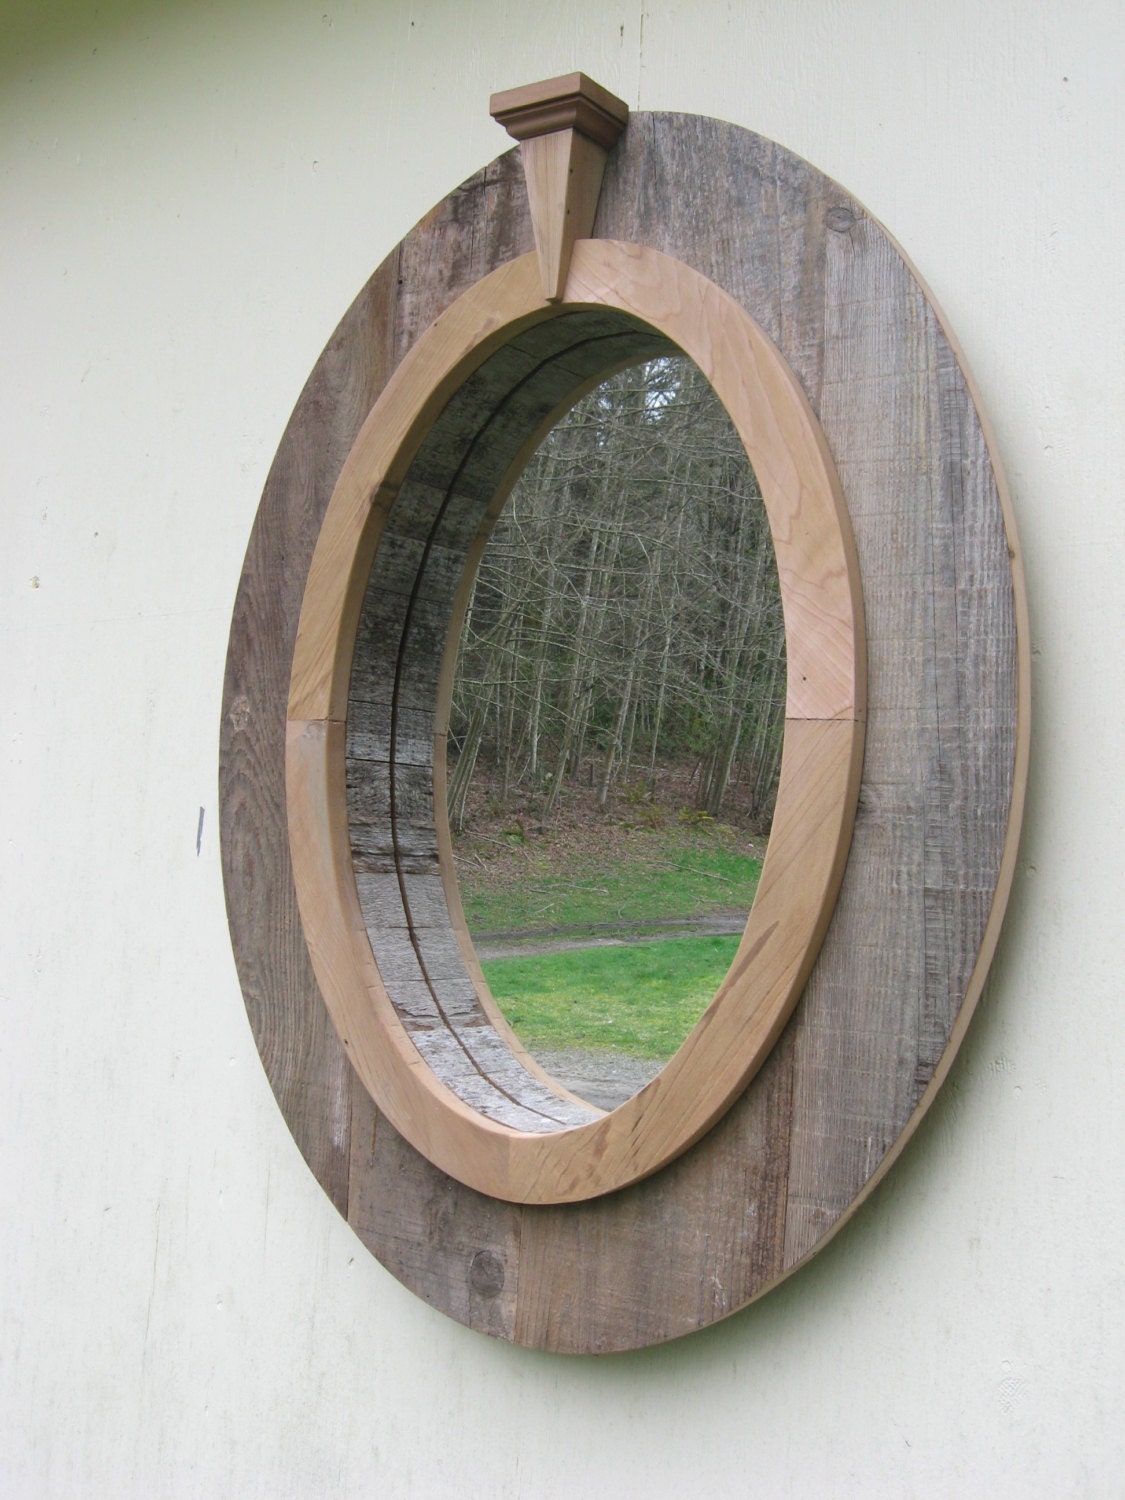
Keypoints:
(566, 127)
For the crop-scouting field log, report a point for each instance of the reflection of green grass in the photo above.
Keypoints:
(666, 877)
(642, 999)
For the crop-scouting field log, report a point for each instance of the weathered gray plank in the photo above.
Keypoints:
(456, 1249)
(672, 1254)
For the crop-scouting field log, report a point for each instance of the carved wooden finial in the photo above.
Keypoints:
(565, 127)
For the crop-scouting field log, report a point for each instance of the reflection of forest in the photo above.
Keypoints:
(627, 610)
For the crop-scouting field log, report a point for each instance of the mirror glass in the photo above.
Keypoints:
(616, 728)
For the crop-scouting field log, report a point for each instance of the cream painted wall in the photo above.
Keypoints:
(192, 194)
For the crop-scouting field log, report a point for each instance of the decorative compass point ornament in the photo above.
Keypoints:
(472, 1174)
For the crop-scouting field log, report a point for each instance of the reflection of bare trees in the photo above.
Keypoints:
(627, 607)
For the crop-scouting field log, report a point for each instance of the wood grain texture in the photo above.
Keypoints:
(945, 765)
(564, 177)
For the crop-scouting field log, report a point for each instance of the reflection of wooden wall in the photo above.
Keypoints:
(905, 955)
(435, 519)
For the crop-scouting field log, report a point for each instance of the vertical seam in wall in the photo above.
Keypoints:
(640, 55)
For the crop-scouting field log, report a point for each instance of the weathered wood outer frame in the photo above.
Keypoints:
(941, 797)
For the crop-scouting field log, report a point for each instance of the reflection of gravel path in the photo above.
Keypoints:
(606, 1079)
(513, 945)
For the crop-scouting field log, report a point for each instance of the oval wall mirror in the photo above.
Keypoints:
(473, 1173)
(615, 730)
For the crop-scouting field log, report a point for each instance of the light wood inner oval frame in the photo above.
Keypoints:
(556, 1162)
